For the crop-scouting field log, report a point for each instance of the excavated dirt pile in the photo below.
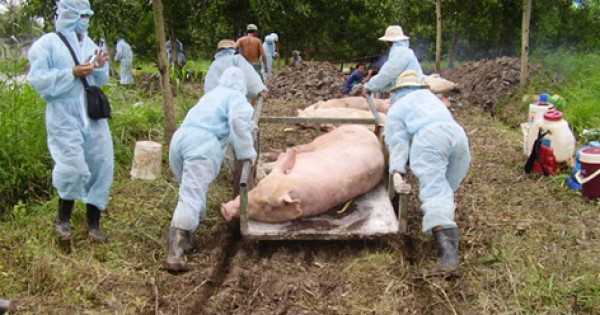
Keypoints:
(312, 81)
(483, 83)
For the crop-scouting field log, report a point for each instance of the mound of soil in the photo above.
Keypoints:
(313, 81)
(484, 83)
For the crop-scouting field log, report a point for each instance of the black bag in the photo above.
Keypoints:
(98, 106)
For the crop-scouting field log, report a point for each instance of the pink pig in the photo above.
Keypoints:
(310, 179)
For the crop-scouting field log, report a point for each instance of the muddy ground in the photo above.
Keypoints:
(381, 276)
(528, 246)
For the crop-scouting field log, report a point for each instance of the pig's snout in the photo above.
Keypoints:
(229, 211)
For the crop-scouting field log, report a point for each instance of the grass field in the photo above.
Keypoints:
(529, 246)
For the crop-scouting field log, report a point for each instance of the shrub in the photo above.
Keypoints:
(25, 163)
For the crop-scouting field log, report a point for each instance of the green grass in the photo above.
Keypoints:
(532, 253)
(25, 163)
(579, 85)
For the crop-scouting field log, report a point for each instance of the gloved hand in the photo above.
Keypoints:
(400, 185)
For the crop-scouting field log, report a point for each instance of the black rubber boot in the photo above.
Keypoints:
(4, 306)
(178, 240)
(447, 246)
(93, 220)
(63, 219)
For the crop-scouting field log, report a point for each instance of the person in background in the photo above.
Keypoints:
(226, 57)
(251, 47)
(222, 116)
(181, 58)
(81, 148)
(357, 79)
(296, 59)
(125, 56)
(271, 48)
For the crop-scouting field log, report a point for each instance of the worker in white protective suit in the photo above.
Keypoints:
(124, 55)
(81, 148)
(420, 130)
(400, 59)
(222, 116)
(226, 57)
(271, 48)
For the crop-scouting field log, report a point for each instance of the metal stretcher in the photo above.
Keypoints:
(367, 216)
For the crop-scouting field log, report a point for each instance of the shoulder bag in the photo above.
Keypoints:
(98, 106)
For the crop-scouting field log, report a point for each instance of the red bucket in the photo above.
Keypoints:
(590, 172)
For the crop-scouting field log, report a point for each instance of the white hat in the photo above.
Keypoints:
(408, 78)
(225, 43)
(252, 27)
(393, 34)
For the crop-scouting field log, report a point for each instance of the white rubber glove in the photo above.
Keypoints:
(401, 186)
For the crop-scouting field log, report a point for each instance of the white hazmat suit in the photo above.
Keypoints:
(401, 58)
(226, 58)
(270, 48)
(81, 148)
(125, 56)
(420, 129)
(223, 116)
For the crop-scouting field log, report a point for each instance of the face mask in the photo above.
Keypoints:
(82, 25)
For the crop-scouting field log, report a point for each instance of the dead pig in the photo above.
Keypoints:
(358, 102)
(332, 112)
(310, 179)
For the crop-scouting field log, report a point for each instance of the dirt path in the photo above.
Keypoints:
(497, 206)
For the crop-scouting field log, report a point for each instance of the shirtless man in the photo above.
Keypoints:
(251, 47)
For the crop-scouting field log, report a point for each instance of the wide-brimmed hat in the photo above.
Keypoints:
(252, 27)
(393, 34)
(408, 78)
(225, 43)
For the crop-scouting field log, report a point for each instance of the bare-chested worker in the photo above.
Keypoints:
(251, 47)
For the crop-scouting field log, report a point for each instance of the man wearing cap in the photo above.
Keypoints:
(401, 58)
(420, 130)
(251, 47)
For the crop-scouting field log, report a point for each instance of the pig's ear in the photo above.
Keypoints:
(288, 201)
(286, 161)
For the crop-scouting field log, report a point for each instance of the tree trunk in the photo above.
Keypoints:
(159, 28)
(438, 37)
(525, 43)
(452, 52)
(174, 47)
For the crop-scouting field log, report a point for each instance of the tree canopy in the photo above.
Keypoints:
(343, 29)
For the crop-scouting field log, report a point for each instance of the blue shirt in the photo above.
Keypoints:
(355, 78)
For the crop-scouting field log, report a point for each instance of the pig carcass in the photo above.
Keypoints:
(437, 84)
(312, 178)
(332, 112)
(358, 102)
